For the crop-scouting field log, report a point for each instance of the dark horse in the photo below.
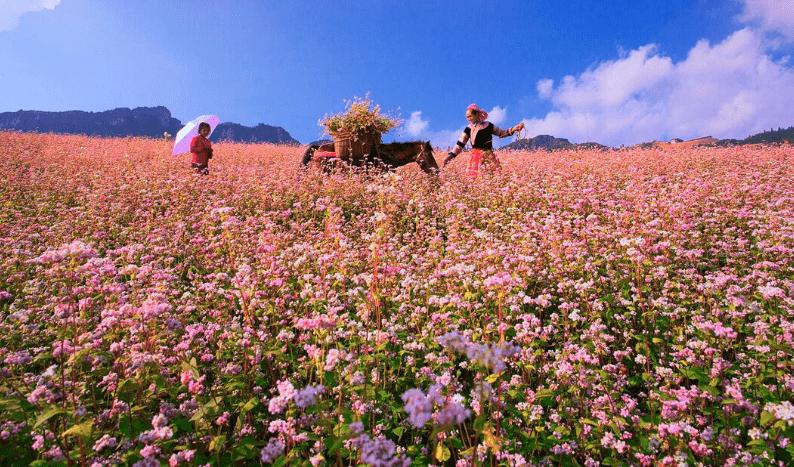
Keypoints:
(386, 157)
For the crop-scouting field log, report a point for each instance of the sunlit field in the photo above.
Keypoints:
(577, 308)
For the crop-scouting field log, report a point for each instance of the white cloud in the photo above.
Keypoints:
(416, 125)
(545, 86)
(444, 138)
(12, 10)
(497, 115)
(729, 89)
(418, 128)
(770, 15)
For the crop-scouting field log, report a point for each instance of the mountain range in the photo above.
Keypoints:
(781, 135)
(152, 122)
(551, 143)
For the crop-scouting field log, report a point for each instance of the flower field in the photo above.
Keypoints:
(578, 308)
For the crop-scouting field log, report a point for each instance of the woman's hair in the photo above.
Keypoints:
(202, 125)
(477, 111)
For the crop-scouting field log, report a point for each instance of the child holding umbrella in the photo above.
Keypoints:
(201, 150)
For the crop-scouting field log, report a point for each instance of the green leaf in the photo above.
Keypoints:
(248, 406)
(332, 444)
(211, 407)
(757, 446)
(217, 443)
(340, 429)
(42, 357)
(182, 424)
(398, 431)
(442, 453)
(234, 385)
(12, 409)
(329, 378)
(126, 390)
(545, 397)
(198, 416)
(53, 411)
(490, 438)
(245, 449)
(695, 373)
(160, 382)
(467, 453)
(82, 430)
(9, 404)
(131, 428)
(479, 424)
(766, 418)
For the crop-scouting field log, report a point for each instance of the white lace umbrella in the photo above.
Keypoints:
(186, 134)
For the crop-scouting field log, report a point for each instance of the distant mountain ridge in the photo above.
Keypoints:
(550, 143)
(245, 134)
(141, 121)
(781, 135)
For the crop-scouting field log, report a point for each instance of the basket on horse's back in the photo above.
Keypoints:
(353, 148)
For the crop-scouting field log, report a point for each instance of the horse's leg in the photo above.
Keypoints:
(382, 160)
(328, 165)
(307, 156)
(372, 159)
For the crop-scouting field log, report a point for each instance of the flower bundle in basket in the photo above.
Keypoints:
(357, 129)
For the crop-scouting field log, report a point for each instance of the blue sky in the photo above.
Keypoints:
(614, 72)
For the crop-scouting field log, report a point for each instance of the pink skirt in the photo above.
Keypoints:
(475, 160)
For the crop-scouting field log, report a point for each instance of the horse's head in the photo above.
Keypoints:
(389, 156)
(426, 160)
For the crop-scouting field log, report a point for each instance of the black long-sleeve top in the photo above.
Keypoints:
(481, 136)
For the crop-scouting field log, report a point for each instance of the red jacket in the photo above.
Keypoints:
(198, 149)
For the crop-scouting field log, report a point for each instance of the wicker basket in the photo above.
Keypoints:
(353, 148)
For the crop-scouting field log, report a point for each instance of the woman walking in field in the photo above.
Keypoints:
(201, 150)
(480, 132)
